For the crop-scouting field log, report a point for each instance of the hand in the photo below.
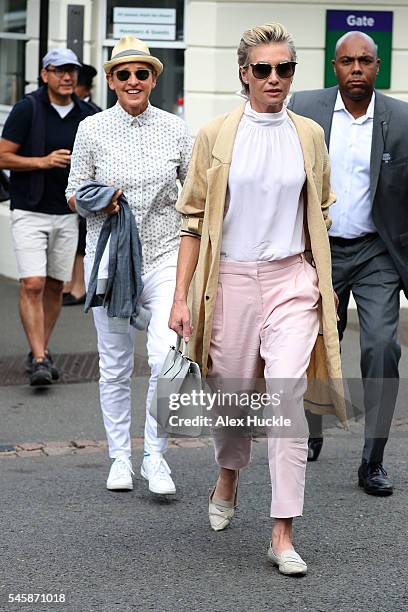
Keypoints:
(336, 304)
(179, 320)
(114, 206)
(61, 158)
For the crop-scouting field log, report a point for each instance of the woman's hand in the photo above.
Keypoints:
(179, 320)
(336, 304)
(114, 206)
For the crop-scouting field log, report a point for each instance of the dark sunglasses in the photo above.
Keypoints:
(142, 74)
(262, 70)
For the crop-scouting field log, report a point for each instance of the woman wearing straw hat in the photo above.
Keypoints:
(142, 151)
(255, 201)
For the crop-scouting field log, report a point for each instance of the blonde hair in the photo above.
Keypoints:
(262, 35)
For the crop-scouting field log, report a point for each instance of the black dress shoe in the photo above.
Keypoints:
(314, 448)
(373, 478)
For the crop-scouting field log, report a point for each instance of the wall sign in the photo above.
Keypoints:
(144, 23)
(377, 24)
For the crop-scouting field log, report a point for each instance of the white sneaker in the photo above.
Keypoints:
(156, 470)
(120, 475)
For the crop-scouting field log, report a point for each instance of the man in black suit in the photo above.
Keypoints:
(367, 136)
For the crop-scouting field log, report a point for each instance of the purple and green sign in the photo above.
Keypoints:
(377, 24)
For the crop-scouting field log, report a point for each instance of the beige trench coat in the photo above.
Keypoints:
(201, 204)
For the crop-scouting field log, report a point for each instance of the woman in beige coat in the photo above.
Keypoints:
(255, 208)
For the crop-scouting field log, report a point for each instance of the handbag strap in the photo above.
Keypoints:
(178, 346)
(178, 343)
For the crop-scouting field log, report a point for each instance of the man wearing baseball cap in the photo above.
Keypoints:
(36, 145)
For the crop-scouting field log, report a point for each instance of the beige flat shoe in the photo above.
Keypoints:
(221, 512)
(288, 562)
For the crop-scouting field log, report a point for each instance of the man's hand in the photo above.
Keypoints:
(114, 206)
(61, 158)
(179, 320)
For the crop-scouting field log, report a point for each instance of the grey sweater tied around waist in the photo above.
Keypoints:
(121, 291)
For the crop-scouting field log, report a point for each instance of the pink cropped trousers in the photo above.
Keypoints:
(265, 324)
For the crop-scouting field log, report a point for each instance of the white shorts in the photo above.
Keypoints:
(45, 245)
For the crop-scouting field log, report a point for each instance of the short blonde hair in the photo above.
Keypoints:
(262, 35)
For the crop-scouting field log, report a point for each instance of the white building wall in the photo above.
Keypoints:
(57, 32)
(213, 31)
(211, 73)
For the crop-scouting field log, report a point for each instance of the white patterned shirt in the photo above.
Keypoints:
(144, 156)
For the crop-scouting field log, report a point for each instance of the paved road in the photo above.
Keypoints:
(63, 533)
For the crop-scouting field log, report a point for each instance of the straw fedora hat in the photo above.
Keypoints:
(131, 49)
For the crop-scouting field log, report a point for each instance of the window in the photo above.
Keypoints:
(161, 24)
(13, 17)
(156, 5)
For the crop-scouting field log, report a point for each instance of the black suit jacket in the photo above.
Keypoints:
(388, 179)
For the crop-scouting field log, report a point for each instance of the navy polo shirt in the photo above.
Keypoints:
(59, 134)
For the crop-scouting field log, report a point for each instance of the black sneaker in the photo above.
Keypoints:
(70, 300)
(28, 365)
(40, 373)
(55, 373)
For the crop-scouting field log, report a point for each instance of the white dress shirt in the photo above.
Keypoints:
(144, 156)
(350, 152)
(264, 218)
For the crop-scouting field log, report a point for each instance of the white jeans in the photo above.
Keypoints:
(116, 358)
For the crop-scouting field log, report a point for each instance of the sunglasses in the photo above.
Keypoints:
(262, 70)
(60, 72)
(142, 74)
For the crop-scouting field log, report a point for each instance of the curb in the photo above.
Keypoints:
(60, 448)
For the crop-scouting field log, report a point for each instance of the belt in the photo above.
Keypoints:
(349, 241)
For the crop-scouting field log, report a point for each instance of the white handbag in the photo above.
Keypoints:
(176, 404)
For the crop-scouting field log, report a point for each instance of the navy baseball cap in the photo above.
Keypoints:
(60, 57)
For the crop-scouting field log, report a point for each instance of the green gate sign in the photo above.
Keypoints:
(377, 24)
